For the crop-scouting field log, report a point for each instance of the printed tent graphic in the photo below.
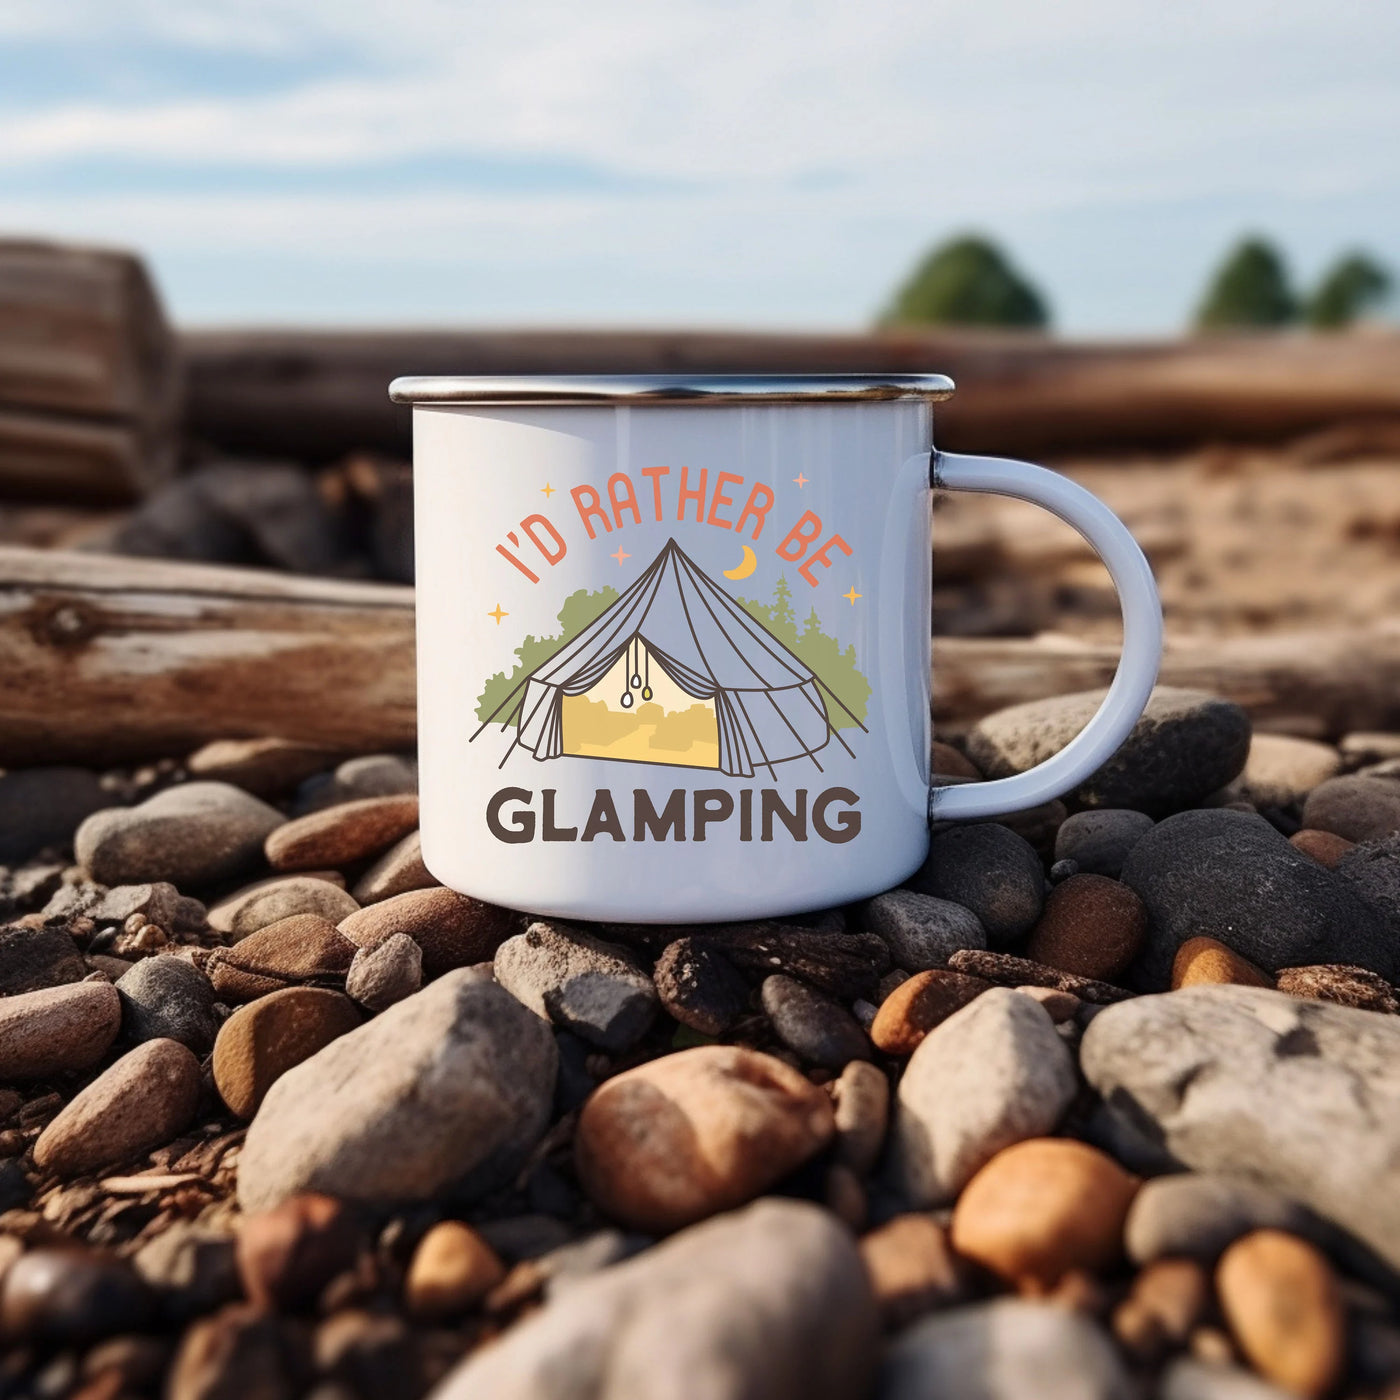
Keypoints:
(768, 705)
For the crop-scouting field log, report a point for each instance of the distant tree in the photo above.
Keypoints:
(1354, 284)
(966, 282)
(1250, 288)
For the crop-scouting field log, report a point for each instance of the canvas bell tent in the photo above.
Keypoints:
(768, 705)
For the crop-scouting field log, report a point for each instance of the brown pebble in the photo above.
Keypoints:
(1042, 1208)
(1200, 961)
(1325, 847)
(238, 1353)
(1059, 1006)
(1007, 970)
(912, 1268)
(288, 1254)
(264, 767)
(1345, 986)
(1092, 927)
(862, 1108)
(148, 1097)
(301, 950)
(267, 902)
(1169, 1298)
(845, 1196)
(399, 870)
(947, 762)
(920, 1003)
(452, 929)
(339, 835)
(1284, 1307)
(57, 1028)
(65, 1295)
(260, 1042)
(694, 1133)
(452, 1270)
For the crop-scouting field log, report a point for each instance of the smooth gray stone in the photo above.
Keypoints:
(921, 930)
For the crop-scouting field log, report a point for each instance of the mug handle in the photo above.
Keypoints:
(1142, 634)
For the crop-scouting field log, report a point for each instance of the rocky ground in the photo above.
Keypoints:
(1101, 1103)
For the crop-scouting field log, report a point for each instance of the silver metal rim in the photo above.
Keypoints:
(671, 388)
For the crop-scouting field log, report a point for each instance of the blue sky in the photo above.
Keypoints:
(725, 162)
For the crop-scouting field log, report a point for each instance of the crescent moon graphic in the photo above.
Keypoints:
(744, 569)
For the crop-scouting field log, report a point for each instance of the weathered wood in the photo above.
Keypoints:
(107, 660)
(1319, 683)
(320, 394)
(85, 350)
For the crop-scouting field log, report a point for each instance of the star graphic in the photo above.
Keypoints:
(548, 490)
(800, 481)
(852, 595)
(620, 556)
(498, 614)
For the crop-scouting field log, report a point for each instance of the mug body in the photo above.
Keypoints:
(673, 657)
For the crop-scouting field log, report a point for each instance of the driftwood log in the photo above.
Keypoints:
(320, 394)
(106, 660)
(90, 388)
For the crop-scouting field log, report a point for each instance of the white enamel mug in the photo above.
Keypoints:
(673, 639)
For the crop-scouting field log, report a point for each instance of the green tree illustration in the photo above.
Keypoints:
(578, 611)
(838, 677)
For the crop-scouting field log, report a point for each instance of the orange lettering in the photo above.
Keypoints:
(795, 542)
(819, 556)
(622, 498)
(752, 508)
(586, 499)
(722, 500)
(656, 473)
(698, 495)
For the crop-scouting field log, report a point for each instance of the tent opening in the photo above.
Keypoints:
(638, 713)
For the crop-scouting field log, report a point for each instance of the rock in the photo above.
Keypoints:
(1198, 1215)
(1372, 869)
(919, 1004)
(1044, 1208)
(453, 930)
(192, 834)
(260, 1042)
(1201, 961)
(589, 987)
(267, 902)
(447, 1090)
(1004, 1350)
(862, 1109)
(1100, 839)
(157, 901)
(1233, 876)
(399, 870)
(700, 987)
(385, 972)
(191, 1266)
(1295, 1094)
(1355, 807)
(57, 1029)
(376, 775)
(841, 964)
(920, 930)
(264, 767)
(1059, 1006)
(146, 1098)
(1344, 986)
(992, 1074)
(1008, 971)
(236, 1354)
(1363, 747)
(1282, 770)
(816, 1028)
(34, 958)
(304, 950)
(66, 1296)
(991, 871)
(339, 835)
(1169, 1298)
(452, 1270)
(694, 1133)
(1092, 927)
(287, 1255)
(42, 807)
(1186, 745)
(1325, 848)
(26, 888)
(913, 1268)
(1284, 1307)
(1189, 1379)
(168, 998)
(770, 1301)
(947, 762)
